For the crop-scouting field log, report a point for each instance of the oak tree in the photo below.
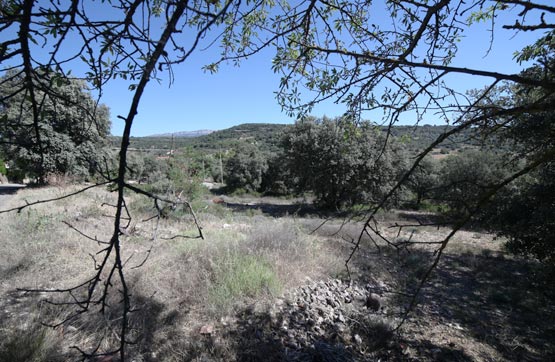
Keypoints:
(72, 126)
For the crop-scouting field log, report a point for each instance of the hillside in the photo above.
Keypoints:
(267, 136)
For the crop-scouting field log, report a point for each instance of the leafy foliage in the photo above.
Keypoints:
(245, 168)
(3, 170)
(277, 179)
(525, 215)
(72, 128)
(465, 178)
(178, 175)
(342, 163)
(423, 181)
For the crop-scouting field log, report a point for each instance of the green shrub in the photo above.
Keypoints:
(245, 168)
(465, 178)
(524, 214)
(3, 170)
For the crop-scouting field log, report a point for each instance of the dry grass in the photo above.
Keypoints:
(247, 259)
(184, 283)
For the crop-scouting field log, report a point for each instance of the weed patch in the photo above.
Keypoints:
(238, 276)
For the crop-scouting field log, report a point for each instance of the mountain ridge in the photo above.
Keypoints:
(184, 134)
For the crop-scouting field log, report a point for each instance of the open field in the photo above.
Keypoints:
(267, 283)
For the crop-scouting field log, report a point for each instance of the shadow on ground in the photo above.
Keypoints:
(276, 210)
(486, 302)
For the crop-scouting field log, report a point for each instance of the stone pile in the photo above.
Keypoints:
(321, 318)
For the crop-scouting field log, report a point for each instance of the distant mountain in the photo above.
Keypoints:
(184, 134)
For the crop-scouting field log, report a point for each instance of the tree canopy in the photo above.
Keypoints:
(71, 128)
(342, 163)
(245, 168)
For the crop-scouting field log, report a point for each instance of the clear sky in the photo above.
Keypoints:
(245, 94)
(200, 100)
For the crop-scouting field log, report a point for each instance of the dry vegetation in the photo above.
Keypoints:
(191, 293)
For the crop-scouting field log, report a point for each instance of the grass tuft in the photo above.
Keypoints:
(30, 345)
(239, 276)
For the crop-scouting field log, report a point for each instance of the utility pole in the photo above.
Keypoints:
(221, 168)
(171, 147)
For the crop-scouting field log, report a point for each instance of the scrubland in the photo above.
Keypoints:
(205, 299)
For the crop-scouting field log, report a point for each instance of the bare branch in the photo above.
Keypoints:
(29, 204)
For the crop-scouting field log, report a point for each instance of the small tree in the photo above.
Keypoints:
(245, 168)
(465, 178)
(342, 163)
(423, 180)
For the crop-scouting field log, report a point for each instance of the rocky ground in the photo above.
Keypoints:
(320, 321)
(467, 312)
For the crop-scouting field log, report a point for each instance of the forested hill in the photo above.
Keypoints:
(267, 137)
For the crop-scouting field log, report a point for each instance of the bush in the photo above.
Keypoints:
(465, 178)
(244, 169)
(525, 215)
(3, 170)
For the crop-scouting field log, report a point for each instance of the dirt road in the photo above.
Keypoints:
(7, 191)
(3, 200)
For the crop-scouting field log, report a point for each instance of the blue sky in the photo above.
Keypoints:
(200, 100)
(245, 94)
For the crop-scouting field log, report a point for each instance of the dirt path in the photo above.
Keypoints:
(7, 191)
(3, 200)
